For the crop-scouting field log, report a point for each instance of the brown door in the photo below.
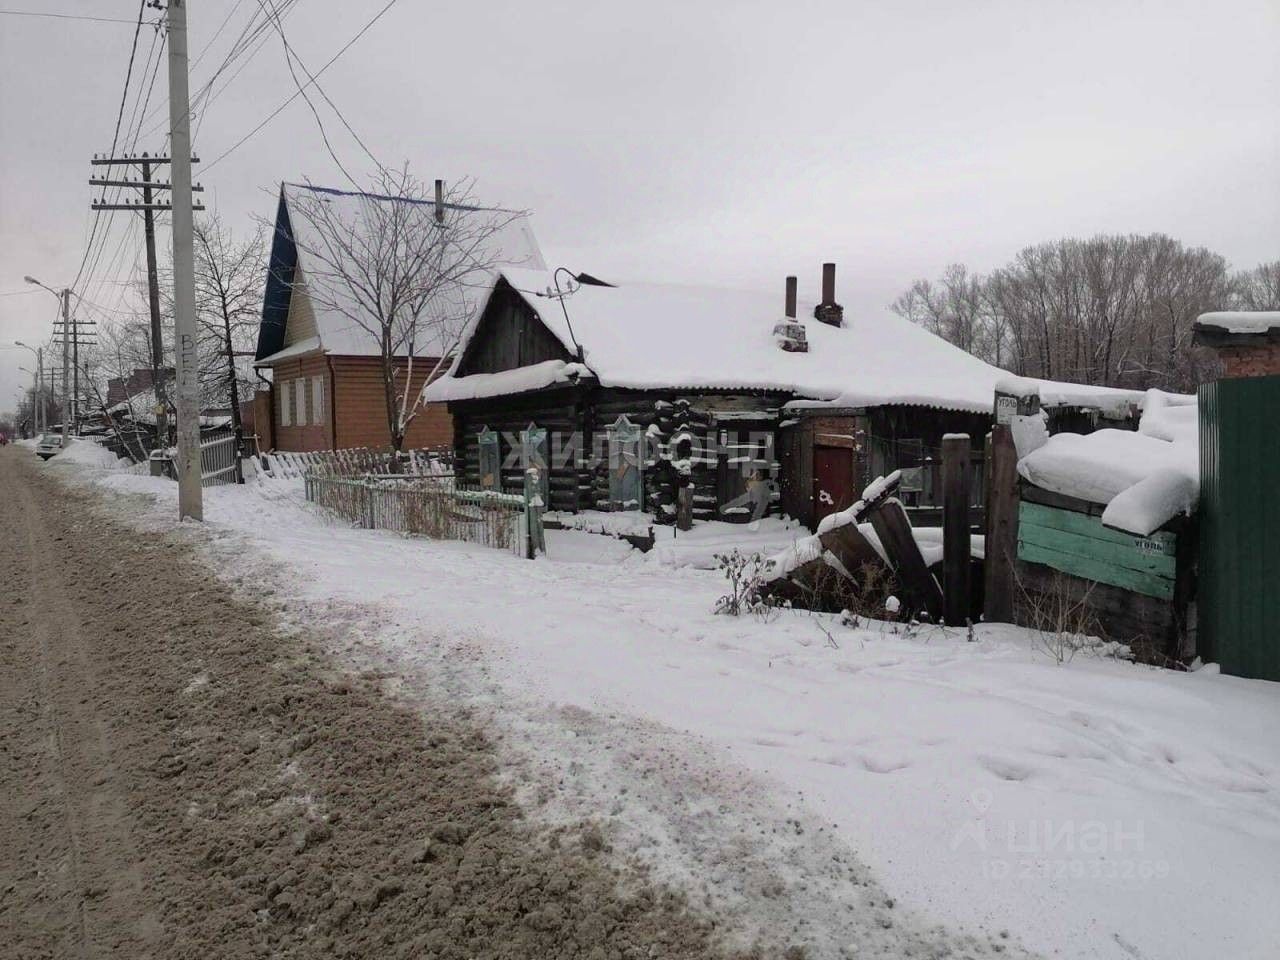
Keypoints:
(832, 481)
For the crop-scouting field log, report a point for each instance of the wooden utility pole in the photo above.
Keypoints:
(147, 208)
(66, 363)
(955, 528)
(1002, 509)
(153, 300)
(190, 496)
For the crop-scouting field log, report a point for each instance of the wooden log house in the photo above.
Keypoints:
(731, 395)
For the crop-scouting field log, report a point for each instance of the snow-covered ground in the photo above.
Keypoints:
(1092, 809)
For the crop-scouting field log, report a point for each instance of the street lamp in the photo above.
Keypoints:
(65, 299)
(38, 377)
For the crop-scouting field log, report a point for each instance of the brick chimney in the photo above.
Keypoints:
(828, 311)
(1248, 343)
(439, 201)
(789, 334)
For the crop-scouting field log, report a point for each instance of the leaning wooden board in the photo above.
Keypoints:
(1080, 545)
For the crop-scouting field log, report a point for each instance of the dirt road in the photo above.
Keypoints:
(181, 778)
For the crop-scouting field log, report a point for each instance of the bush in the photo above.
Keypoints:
(745, 573)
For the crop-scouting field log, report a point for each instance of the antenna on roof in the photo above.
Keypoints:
(561, 295)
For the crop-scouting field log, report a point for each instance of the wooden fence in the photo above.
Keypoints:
(354, 462)
(431, 506)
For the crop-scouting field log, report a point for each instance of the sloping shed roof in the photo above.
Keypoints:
(642, 335)
(294, 267)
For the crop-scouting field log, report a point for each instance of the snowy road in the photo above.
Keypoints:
(826, 795)
(181, 779)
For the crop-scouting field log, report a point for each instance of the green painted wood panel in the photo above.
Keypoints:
(1162, 542)
(1159, 564)
(1090, 568)
(1081, 546)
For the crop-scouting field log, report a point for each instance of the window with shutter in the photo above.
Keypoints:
(285, 391)
(317, 401)
(300, 402)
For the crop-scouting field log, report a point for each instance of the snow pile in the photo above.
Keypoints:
(86, 453)
(1241, 321)
(1029, 433)
(1156, 469)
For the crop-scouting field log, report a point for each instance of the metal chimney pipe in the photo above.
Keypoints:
(791, 298)
(828, 284)
(439, 201)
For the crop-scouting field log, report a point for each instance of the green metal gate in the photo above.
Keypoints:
(1239, 590)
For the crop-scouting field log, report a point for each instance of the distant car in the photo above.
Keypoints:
(50, 445)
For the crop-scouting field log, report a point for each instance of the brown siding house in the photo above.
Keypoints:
(325, 387)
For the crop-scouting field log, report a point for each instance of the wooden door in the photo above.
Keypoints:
(833, 483)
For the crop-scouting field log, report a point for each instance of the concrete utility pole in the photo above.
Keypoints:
(190, 497)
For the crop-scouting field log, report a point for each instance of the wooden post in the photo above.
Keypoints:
(955, 528)
(1002, 509)
(534, 507)
(894, 530)
(684, 506)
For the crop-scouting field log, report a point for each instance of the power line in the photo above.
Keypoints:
(66, 16)
(276, 112)
(124, 96)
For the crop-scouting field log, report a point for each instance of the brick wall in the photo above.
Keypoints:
(1257, 360)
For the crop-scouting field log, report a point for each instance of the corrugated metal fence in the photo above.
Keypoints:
(1239, 595)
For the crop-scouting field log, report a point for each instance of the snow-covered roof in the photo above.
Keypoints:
(298, 349)
(1144, 478)
(643, 335)
(299, 237)
(1241, 321)
(1056, 393)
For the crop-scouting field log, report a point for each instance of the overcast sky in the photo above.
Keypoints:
(726, 143)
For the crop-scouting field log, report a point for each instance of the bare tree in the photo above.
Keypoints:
(401, 267)
(1257, 289)
(229, 281)
(1111, 310)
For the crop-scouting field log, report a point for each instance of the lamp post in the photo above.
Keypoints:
(65, 299)
(38, 399)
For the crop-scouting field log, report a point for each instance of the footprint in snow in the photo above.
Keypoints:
(1006, 769)
(883, 764)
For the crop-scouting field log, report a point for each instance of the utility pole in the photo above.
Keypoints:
(153, 298)
(190, 496)
(40, 391)
(69, 330)
(147, 208)
(66, 362)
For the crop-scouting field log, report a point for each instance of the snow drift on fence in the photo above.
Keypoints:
(1144, 478)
